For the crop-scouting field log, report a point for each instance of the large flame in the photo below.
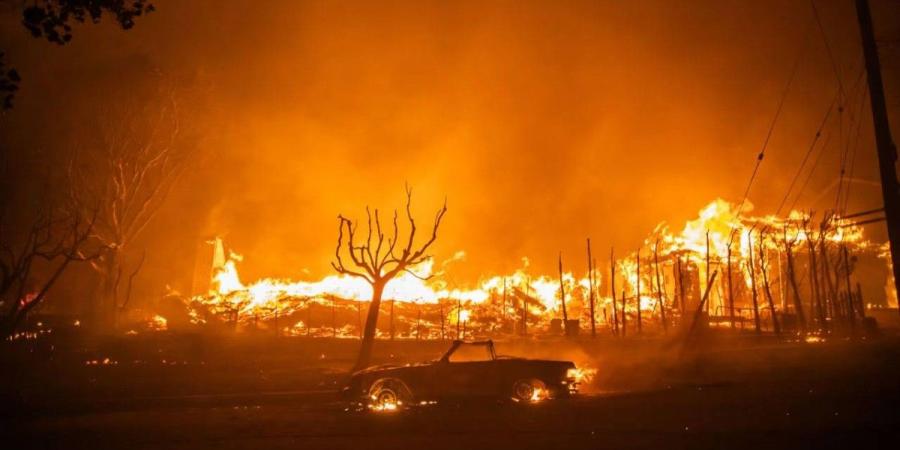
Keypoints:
(720, 234)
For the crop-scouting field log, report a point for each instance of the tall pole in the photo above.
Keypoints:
(612, 292)
(887, 153)
(591, 288)
(637, 290)
(562, 298)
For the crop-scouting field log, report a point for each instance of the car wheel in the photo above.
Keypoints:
(529, 390)
(389, 394)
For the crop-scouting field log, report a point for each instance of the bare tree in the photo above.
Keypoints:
(378, 259)
(127, 171)
(32, 262)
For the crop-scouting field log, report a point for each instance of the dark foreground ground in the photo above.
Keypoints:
(251, 392)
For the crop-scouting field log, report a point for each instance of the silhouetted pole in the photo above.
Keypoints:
(708, 285)
(612, 291)
(591, 289)
(638, 291)
(680, 267)
(562, 298)
(333, 323)
(887, 152)
(730, 283)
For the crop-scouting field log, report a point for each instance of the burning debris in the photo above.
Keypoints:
(787, 275)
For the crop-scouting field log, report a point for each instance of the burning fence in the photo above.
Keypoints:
(796, 274)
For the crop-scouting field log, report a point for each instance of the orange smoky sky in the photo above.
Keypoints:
(541, 122)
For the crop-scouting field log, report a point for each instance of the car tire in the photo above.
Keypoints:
(529, 390)
(389, 394)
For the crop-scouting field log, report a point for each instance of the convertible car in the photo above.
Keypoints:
(467, 369)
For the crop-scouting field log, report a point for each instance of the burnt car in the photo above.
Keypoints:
(466, 370)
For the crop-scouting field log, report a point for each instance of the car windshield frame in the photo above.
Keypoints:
(492, 354)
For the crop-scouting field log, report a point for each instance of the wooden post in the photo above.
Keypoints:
(638, 291)
(708, 284)
(753, 286)
(730, 285)
(562, 298)
(887, 152)
(681, 295)
(591, 289)
(612, 290)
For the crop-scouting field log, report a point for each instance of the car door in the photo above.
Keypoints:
(466, 373)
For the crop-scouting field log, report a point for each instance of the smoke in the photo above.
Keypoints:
(542, 123)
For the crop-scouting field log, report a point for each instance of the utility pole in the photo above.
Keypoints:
(887, 152)
(562, 298)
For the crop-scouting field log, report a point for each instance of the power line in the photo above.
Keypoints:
(784, 94)
(812, 145)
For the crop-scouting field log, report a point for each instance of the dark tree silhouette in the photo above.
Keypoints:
(378, 259)
(53, 19)
(127, 172)
(50, 242)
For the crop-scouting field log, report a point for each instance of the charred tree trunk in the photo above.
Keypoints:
(795, 291)
(365, 348)
(659, 293)
(816, 300)
(108, 302)
(755, 295)
(764, 270)
(832, 301)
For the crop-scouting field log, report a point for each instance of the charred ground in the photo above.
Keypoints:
(166, 390)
